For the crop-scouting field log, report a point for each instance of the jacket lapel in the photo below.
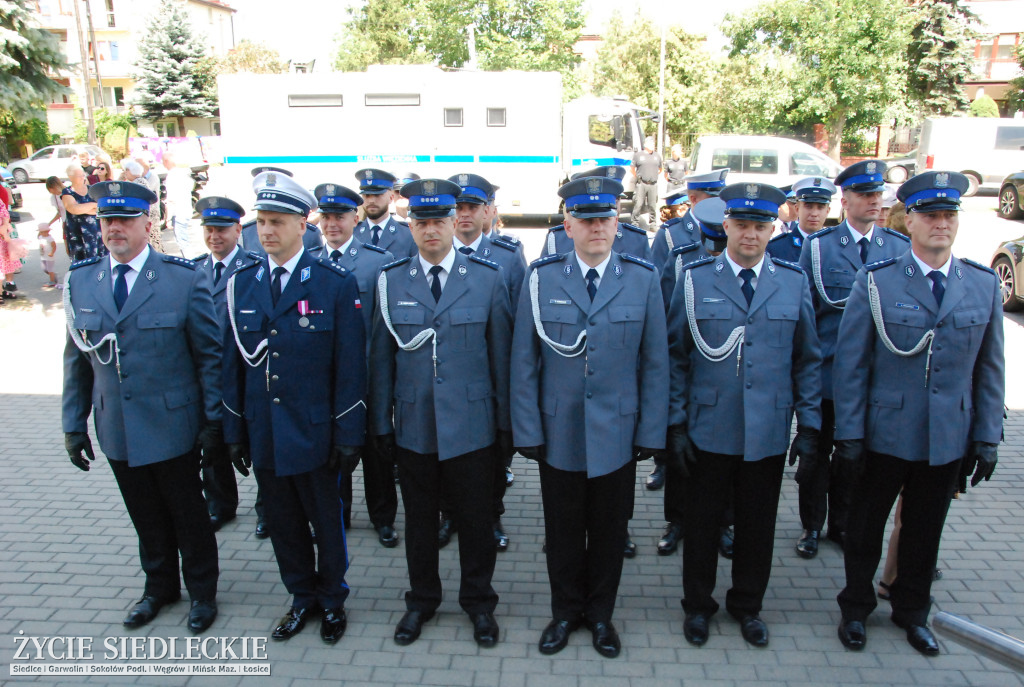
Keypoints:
(415, 283)
(456, 285)
(918, 285)
(954, 290)
(611, 284)
(296, 287)
(574, 284)
(105, 289)
(727, 283)
(766, 286)
(142, 289)
(851, 251)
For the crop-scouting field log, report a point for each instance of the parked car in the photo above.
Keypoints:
(1010, 192)
(7, 181)
(901, 168)
(984, 149)
(1007, 263)
(49, 161)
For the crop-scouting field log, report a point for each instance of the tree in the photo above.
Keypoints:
(847, 57)
(168, 82)
(940, 57)
(380, 32)
(29, 56)
(252, 57)
(983, 106)
(1015, 92)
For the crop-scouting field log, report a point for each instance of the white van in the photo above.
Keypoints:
(985, 149)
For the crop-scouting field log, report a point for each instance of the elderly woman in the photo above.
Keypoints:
(134, 171)
(83, 227)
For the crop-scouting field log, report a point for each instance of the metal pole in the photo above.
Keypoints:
(95, 52)
(1001, 648)
(661, 95)
(90, 123)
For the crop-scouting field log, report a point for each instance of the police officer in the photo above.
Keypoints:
(294, 389)
(402, 203)
(629, 239)
(813, 198)
(379, 228)
(744, 354)
(220, 218)
(646, 169)
(338, 219)
(681, 231)
(675, 169)
(831, 258)
(143, 354)
(920, 353)
(439, 393)
(311, 239)
(589, 373)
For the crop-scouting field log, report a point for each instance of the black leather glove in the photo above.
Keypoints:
(505, 449)
(344, 458)
(239, 455)
(850, 453)
(537, 453)
(680, 452)
(384, 445)
(76, 443)
(643, 453)
(805, 447)
(211, 444)
(980, 460)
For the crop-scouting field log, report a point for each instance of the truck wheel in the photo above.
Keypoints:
(974, 183)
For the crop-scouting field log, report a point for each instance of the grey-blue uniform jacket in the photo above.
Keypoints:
(746, 407)
(507, 251)
(629, 240)
(678, 258)
(364, 262)
(395, 237)
(887, 399)
(590, 410)
(170, 359)
(309, 392)
(840, 260)
(678, 231)
(458, 405)
(787, 245)
(242, 259)
(311, 240)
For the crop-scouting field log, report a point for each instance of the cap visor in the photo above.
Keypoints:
(336, 209)
(471, 199)
(865, 188)
(120, 212)
(935, 206)
(589, 214)
(432, 213)
(375, 191)
(815, 199)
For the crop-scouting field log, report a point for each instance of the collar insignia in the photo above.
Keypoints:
(618, 234)
(618, 270)
(462, 270)
(391, 229)
(487, 251)
(304, 276)
(238, 262)
(568, 269)
(150, 275)
(259, 274)
(910, 270)
(959, 272)
(844, 240)
(771, 268)
(412, 273)
(719, 267)
(879, 241)
(353, 252)
(99, 277)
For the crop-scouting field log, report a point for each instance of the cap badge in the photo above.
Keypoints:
(752, 191)
(910, 270)
(330, 189)
(114, 188)
(593, 185)
(817, 181)
(941, 180)
(271, 179)
(213, 203)
(870, 167)
(462, 270)
(429, 188)
(844, 240)
(368, 174)
(463, 180)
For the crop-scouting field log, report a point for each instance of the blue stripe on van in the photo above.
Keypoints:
(383, 159)
(546, 159)
(602, 161)
(453, 158)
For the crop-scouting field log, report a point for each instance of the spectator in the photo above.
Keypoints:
(9, 254)
(179, 201)
(55, 187)
(86, 161)
(897, 219)
(134, 171)
(47, 250)
(81, 216)
(104, 172)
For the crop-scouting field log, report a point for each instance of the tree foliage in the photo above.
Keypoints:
(1015, 92)
(940, 56)
(983, 106)
(252, 57)
(29, 57)
(112, 131)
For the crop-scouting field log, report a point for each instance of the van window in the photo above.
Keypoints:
(730, 158)
(1010, 138)
(808, 165)
(600, 131)
(760, 161)
(694, 156)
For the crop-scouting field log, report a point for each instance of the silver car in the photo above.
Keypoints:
(49, 161)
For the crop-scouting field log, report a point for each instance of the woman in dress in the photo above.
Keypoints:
(83, 227)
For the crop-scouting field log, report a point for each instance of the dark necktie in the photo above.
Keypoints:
(376, 236)
(465, 250)
(218, 272)
(121, 286)
(435, 283)
(335, 255)
(592, 282)
(863, 243)
(937, 288)
(275, 285)
(747, 288)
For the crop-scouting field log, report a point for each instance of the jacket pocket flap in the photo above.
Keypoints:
(89, 321)
(628, 406)
(712, 311)
(886, 398)
(905, 316)
(470, 315)
(157, 320)
(626, 313)
(783, 312)
(479, 391)
(970, 318)
(407, 315)
(548, 405)
(405, 394)
(565, 314)
(705, 396)
(178, 398)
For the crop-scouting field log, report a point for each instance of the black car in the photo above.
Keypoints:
(899, 169)
(1007, 262)
(1010, 192)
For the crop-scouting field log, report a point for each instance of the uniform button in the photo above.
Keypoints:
(274, 378)
(277, 401)
(593, 348)
(440, 380)
(939, 324)
(312, 326)
(273, 332)
(935, 391)
(245, 328)
(437, 323)
(939, 347)
(750, 364)
(590, 372)
(938, 369)
(275, 354)
(750, 320)
(120, 329)
(128, 396)
(749, 385)
(590, 394)
(747, 343)
(593, 322)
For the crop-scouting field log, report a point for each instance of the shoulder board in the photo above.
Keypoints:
(872, 266)
(786, 263)
(633, 227)
(254, 255)
(671, 223)
(823, 232)
(396, 263)
(175, 260)
(200, 258)
(895, 233)
(638, 261)
(507, 242)
(83, 263)
(554, 257)
(779, 237)
(484, 261)
(560, 227)
(257, 261)
(375, 249)
(679, 250)
(331, 266)
(978, 265)
(698, 263)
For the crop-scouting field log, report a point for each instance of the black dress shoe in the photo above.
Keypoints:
(333, 624)
(606, 639)
(656, 480)
(754, 630)
(669, 541)
(219, 521)
(387, 536)
(630, 550)
(409, 627)
(695, 628)
(510, 477)
(261, 530)
(500, 538)
(146, 609)
(556, 636)
(445, 531)
(201, 616)
(807, 545)
(920, 637)
(485, 629)
(852, 634)
(291, 624)
(725, 542)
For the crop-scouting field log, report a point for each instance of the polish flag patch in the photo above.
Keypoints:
(358, 305)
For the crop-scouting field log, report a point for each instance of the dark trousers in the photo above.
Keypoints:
(825, 491)
(927, 491)
(675, 494)
(378, 485)
(466, 482)
(645, 200)
(165, 503)
(503, 463)
(221, 489)
(753, 487)
(585, 523)
(292, 503)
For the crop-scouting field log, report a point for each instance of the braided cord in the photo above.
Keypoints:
(816, 271)
(715, 355)
(81, 338)
(875, 301)
(385, 311)
(559, 348)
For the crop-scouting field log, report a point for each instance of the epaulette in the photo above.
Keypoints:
(697, 263)
(547, 259)
(254, 255)
(897, 234)
(396, 263)
(247, 266)
(312, 227)
(685, 248)
(83, 263)
(633, 227)
(248, 224)
(331, 266)
(200, 258)
(786, 263)
(175, 260)
(484, 261)
(509, 243)
(978, 265)
(639, 261)
(779, 237)
(671, 223)
(822, 232)
(872, 266)
(560, 227)
(375, 249)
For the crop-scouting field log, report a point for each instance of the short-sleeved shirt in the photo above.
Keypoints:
(647, 166)
(676, 170)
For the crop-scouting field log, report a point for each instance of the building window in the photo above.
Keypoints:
(315, 100)
(110, 13)
(216, 128)
(119, 96)
(166, 129)
(453, 116)
(392, 99)
(495, 116)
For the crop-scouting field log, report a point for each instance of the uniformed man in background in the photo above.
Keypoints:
(675, 169)
(646, 170)
(589, 374)
(439, 370)
(813, 199)
(831, 258)
(681, 231)
(379, 228)
(744, 355)
(401, 202)
(143, 355)
(294, 394)
(337, 206)
(311, 239)
(920, 353)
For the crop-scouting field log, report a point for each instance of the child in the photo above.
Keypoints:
(47, 248)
